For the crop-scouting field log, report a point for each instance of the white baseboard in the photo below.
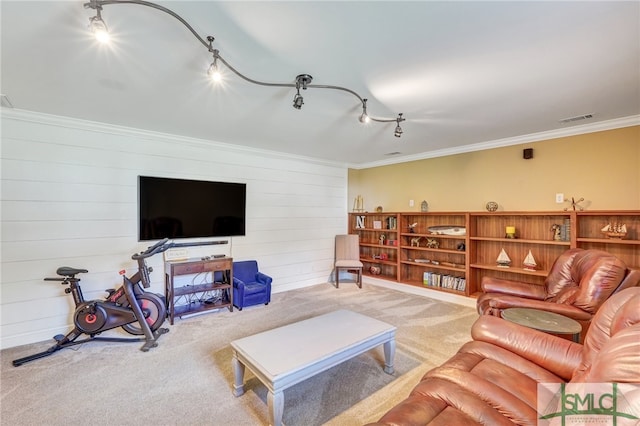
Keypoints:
(426, 292)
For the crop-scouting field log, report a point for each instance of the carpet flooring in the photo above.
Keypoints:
(187, 379)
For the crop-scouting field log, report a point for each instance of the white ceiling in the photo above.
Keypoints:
(464, 74)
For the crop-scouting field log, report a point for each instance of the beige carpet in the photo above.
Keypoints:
(187, 379)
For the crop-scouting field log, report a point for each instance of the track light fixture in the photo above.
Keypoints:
(99, 28)
(301, 81)
(398, 131)
(213, 72)
(364, 117)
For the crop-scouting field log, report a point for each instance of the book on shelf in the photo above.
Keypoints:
(392, 222)
(565, 230)
(433, 279)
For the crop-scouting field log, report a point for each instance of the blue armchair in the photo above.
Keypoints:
(250, 287)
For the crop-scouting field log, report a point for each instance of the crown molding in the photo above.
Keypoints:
(600, 126)
(76, 123)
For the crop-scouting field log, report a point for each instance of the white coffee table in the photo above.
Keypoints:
(285, 356)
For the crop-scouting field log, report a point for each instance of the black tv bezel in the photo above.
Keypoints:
(195, 181)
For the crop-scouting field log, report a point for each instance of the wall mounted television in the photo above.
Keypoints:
(183, 208)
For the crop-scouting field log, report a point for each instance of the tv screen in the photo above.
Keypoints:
(182, 208)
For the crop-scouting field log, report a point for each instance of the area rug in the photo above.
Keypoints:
(187, 379)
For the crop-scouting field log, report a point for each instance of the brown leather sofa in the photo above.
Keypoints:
(577, 285)
(493, 379)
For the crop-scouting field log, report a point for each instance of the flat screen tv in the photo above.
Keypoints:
(182, 208)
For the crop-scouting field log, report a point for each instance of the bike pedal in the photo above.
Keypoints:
(58, 337)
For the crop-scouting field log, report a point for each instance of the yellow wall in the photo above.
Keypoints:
(602, 167)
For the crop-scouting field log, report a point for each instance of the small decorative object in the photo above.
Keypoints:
(574, 204)
(615, 230)
(415, 242)
(447, 230)
(424, 206)
(359, 222)
(379, 209)
(412, 228)
(491, 206)
(557, 232)
(381, 238)
(461, 247)
(503, 260)
(377, 224)
(384, 256)
(510, 232)
(529, 262)
(358, 204)
(432, 243)
(375, 270)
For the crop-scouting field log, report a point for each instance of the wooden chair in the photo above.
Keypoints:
(348, 257)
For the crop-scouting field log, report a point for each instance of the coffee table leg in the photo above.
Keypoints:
(275, 402)
(389, 353)
(238, 373)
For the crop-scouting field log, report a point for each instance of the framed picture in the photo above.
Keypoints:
(377, 224)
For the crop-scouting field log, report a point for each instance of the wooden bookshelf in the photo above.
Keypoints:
(473, 255)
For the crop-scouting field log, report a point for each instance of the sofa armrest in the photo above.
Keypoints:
(238, 283)
(263, 278)
(555, 354)
(515, 288)
(502, 302)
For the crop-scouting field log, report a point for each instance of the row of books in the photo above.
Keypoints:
(565, 230)
(432, 279)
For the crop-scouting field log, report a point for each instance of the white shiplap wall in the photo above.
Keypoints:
(69, 198)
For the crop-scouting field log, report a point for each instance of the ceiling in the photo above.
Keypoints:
(465, 75)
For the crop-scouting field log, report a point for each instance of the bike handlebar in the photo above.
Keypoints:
(158, 247)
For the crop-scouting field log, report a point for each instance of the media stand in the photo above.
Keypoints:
(190, 299)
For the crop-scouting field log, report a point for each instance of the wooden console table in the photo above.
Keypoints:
(198, 297)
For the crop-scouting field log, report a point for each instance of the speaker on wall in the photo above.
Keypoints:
(527, 153)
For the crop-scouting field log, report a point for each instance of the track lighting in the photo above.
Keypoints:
(99, 28)
(213, 72)
(398, 131)
(298, 101)
(364, 117)
(301, 81)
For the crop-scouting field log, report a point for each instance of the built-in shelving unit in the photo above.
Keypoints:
(412, 254)
(378, 234)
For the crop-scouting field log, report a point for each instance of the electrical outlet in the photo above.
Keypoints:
(559, 198)
(411, 203)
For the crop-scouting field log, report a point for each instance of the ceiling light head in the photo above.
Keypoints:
(298, 101)
(398, 131)
(214, 72)
(364, 117)
(99, 28)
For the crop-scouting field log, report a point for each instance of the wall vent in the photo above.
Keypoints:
(576, 118)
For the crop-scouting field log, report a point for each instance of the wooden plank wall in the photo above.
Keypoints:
(69, 198)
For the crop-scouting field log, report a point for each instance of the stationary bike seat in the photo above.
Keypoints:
(66, 271)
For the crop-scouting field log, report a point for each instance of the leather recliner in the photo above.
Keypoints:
(493, 379)
(250, 286)
(577, 285)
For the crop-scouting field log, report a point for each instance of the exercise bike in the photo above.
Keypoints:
(138, 312)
